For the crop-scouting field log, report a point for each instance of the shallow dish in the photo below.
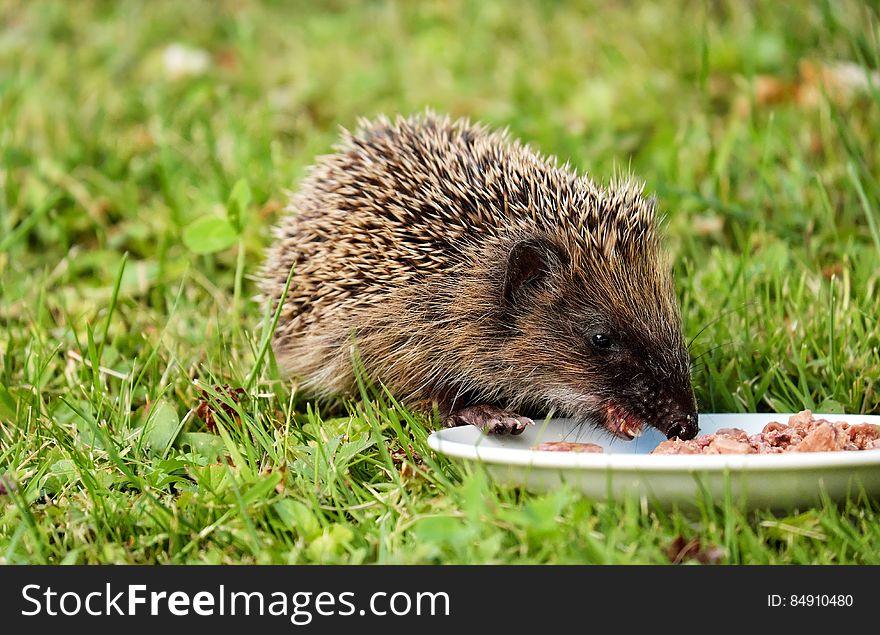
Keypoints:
(626, 468)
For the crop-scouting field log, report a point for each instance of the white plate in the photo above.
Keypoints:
(752, 480)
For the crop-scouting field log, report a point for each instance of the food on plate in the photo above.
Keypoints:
(568, 446)
(802, 433)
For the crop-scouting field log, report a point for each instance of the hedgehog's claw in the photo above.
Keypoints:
(489, 419)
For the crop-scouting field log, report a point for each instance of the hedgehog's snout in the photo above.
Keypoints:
(684, 428)
(662, 401)
(672, 409)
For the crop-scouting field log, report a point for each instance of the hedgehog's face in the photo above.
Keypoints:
(635, 376)
(610, 337)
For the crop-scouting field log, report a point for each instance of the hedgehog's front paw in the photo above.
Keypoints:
(489, 419)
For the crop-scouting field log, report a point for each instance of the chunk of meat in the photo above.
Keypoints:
(822, 438)
(568, 446)
(723, 444)
(864, 436)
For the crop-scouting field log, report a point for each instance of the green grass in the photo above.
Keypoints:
(107, 317)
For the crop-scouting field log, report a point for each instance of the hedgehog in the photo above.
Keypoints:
(479, 280)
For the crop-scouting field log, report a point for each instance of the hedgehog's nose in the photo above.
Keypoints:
(684, 428)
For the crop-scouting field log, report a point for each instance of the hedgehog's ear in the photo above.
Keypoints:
(530, 262)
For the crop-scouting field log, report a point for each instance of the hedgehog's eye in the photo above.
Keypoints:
(602, 341)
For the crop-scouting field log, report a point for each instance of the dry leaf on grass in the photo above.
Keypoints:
(681, 550)
(841, 81)
(207, 411)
